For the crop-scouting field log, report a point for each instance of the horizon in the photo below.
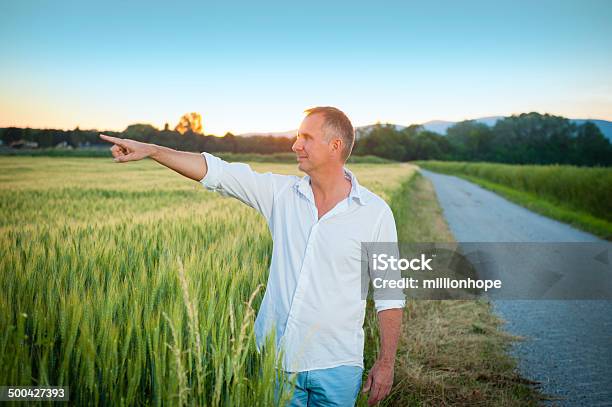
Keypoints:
(171, 126)
(254, 68)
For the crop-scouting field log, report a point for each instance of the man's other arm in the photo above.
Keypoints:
(389, 305)
(380, 378)
(390, 324)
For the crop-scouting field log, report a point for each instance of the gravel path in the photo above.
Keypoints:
(568, 346)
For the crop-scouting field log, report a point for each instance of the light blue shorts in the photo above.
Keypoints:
(337, 386)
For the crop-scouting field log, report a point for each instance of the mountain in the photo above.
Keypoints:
(440, 126)
(604, 125)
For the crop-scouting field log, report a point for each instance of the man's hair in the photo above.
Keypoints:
(336, 124)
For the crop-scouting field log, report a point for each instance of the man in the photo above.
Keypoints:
(313, 303)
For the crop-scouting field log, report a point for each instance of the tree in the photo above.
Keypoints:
(532, 138)
(190, 122)
(429, 145)
(470, 141)
(591, 147)
(382, 140)
(140, 132)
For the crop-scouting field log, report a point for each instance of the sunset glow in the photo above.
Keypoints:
(250, 69)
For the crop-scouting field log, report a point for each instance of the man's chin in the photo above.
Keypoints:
(302, 166)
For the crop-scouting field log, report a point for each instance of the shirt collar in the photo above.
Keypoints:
(303, 186)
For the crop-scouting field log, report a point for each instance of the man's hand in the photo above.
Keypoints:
(379, 381)
(125, 150)
(380, 378)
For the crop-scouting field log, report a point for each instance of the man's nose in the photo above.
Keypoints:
(297, 145)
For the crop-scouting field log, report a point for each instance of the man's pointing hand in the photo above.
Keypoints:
(125, 150)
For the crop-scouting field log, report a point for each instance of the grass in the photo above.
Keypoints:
(579, 196)
(133, 285)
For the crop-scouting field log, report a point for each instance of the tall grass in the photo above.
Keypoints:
(587, 189)
(95, 300)
(135, 286)
(579, 196)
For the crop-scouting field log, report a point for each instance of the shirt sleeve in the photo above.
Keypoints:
(239, 181)
(388, 298)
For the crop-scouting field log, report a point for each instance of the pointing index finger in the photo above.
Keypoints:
(111, 139)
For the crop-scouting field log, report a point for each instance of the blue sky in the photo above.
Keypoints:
(257, 66)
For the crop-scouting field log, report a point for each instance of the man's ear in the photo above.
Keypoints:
(337, 144)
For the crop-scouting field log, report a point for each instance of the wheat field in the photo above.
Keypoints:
(135, 286)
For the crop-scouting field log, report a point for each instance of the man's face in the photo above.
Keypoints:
(311, 148)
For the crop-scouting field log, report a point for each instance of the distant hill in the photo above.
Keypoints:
(440, 126)
(604, 125)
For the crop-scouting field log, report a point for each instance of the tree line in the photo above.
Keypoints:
(187, 141)
(528, 138)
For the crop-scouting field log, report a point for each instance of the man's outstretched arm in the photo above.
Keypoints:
(190, 165)
(237, 180)
(380, 378)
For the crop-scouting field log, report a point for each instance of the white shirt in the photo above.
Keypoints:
(313, 299)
